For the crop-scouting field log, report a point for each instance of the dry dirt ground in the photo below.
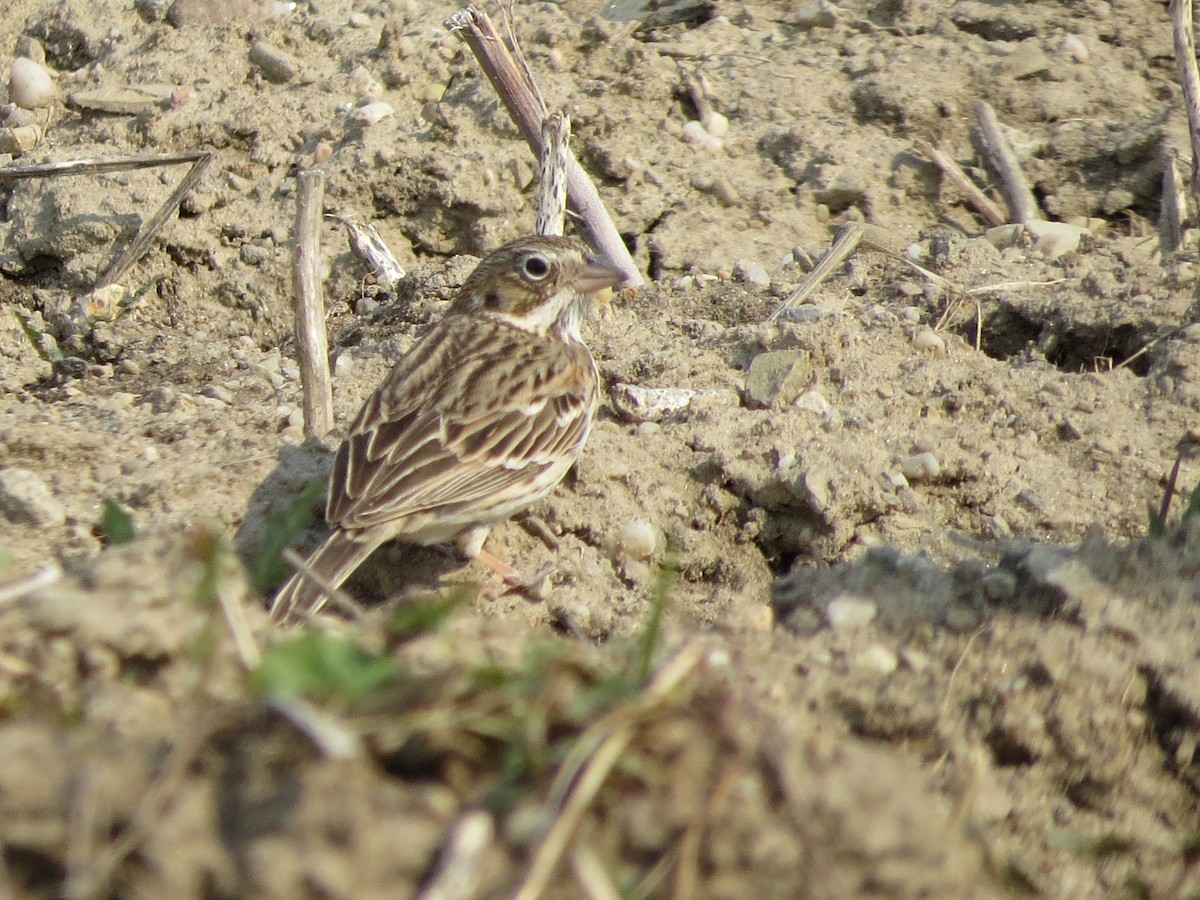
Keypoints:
(917, 638)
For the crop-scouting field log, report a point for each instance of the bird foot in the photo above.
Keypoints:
(534, 585)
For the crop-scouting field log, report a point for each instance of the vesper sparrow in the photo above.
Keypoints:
(482, 417)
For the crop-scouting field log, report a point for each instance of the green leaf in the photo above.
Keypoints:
(1193, 507)
(45, 345)
(116, 525)
(267, 569)
(322, 668)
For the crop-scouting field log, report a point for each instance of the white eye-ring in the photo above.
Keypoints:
(535, 268)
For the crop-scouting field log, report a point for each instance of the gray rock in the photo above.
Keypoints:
(777, 377)
(25, 499)
(276, 65)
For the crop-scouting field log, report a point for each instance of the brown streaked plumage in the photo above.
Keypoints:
(481, 418)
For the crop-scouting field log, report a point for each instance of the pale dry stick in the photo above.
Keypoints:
(368, 245)
(1183, 26)
(960, 297)
(593, 774)
(699, 91)
(1149, 345)
(552, 189)
(976, 198)
(35, 582)
(234, 611)
(331, 737)
(459, 872)
(1022, 206)
(1172, 208)
(849, 238)
(200, 160)
(589, 872)
(312, 345)
(337, 597)
(527, 111)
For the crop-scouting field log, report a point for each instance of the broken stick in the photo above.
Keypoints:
(1183, 26)
(552, 189)
(527, 111)
(999, 154)
(312, 345)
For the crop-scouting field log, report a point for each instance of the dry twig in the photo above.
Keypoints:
(999, 153)
(458, 874)
(594, 771)
(849, 237)
(368, 245)
(200, 160)
(525, 107)
(977, 199)
(1183, 25)
(312, 345)
(552, 189)
(336, 596)
(1172, 209)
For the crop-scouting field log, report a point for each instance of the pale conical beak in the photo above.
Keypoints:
(596, 276)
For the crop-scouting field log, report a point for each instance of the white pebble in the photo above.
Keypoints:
(638, 539)
(716, 124)
(1074, 45)
(878, 658)
(929, 341)
(372, 113)
(844, 613)
(920, 466)
(30, 85)
(698, 134)
(812, 401)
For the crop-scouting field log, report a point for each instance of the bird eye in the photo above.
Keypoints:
(536, 268)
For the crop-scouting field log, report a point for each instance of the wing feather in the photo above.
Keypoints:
(461, 427)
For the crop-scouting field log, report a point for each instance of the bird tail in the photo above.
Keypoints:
(332, 563)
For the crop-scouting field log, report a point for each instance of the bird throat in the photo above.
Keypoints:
(560, 315)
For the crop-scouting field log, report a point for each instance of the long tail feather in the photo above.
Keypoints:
(333, 562)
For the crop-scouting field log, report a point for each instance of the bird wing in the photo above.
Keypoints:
(476, 416)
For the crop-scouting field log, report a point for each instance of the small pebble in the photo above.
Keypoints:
(372, 113)
(698, 134)
(878, 658)
(929, 341)
(716, 124)
(358, 20)
(20, 140)
(638, 539)
(846, 613)
(276, 65)
(1074, 46)
(813, 401)
(25, 499)
(749, 272)
(253, 254)
(30, 85)
(920, 467)
(216, 392)
(365, 85)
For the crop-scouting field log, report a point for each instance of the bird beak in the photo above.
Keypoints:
(597, 275)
